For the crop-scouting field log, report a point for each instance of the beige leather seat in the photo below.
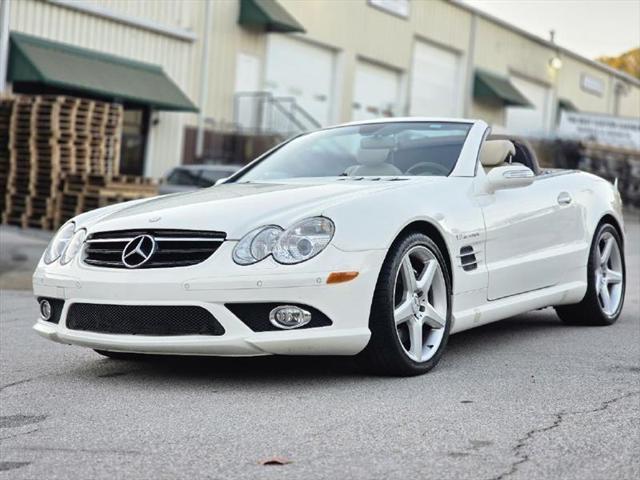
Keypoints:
(496, 153)
(372, 162)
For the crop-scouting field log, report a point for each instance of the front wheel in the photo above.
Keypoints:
(411, 310)
(603, 301)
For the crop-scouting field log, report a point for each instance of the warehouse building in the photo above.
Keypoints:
(224, 79)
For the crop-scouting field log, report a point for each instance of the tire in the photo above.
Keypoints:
(390, 350)
(591, 311)
(121, 355)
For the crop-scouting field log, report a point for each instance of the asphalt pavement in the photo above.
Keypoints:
(525, 398)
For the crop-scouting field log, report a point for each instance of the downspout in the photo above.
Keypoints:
(471, 50)
(5, 13)
(204, 80)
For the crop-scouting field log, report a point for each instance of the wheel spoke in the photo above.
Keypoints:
(432, 317)
(409, 276)
(426, 278)
(403, 312)
(605, 298)
(606, 252)
(614, 277)
(415, 339)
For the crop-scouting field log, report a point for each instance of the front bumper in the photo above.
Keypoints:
(213, 284)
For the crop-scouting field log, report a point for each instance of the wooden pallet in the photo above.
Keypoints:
(44, 138)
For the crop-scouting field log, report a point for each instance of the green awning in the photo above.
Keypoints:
(63, 66)
(490, 85)
(268, 15)
(564, 104)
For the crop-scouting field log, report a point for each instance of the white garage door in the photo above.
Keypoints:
(533, 121)
(375, 92)
(303, 71)
(436, 82)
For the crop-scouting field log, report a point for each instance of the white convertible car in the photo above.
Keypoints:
(377, 239)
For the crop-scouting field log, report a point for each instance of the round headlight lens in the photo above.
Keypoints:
(59, 243)
(74, 246)
(303, 240)
(256, 245)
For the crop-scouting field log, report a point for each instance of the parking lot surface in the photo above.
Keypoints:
(524, 398)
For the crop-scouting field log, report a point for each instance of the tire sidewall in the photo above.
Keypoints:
(594, 262)
(395, 256)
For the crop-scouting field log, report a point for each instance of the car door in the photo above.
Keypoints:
(532, 234)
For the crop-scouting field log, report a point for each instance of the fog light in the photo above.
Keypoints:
(289, 316)
(45, 309)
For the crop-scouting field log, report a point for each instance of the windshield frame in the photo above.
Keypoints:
(473, 127)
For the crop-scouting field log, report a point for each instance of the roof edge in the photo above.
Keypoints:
(532, 36)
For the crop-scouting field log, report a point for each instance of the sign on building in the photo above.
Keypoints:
(602, 129)
(591, 84)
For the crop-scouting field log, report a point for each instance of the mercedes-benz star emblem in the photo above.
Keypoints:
(138, 251)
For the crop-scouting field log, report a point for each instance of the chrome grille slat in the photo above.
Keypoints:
(175, 248)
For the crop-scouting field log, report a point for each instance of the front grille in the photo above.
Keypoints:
(157, 320)
(175, 248)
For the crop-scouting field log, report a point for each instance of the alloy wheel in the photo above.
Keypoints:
(609, 274)
(420, 303)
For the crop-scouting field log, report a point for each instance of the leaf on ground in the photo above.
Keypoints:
(275, 461)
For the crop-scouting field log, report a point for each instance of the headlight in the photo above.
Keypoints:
(256, 245)
(74, 246)
(59, 243)
(303, 240)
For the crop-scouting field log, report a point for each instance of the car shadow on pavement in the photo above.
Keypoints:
(462, 347)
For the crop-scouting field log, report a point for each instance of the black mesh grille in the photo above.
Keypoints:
(175, 248)
(256, 315)
(159, 320)
(56, 308)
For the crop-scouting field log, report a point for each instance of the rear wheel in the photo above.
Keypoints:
(603, 301)
(411, 309)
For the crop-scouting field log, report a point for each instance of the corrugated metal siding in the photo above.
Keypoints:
(502, 51)
(176, 56)
(357, 30)
(630, 104)
(352, 28)
(569, 87)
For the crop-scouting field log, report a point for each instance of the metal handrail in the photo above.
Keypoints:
(295, 116)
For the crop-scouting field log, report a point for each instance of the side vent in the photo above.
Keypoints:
(468, 258)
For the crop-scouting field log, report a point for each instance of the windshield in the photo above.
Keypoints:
(375, 149)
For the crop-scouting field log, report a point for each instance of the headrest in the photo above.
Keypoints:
(372, 157)
(374, 150)
(496, 152)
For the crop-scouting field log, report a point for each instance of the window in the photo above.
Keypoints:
(134, 139)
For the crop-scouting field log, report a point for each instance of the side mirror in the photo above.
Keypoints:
(510, 176)
(220, 180)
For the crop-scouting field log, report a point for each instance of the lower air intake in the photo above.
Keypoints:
(152, 320)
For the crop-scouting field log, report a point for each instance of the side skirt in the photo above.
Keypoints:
(492, 311)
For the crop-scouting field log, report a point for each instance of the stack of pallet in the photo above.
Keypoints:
(83, 192)
(57, 146)
(6, 106)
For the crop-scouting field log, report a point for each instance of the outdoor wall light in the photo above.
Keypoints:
(555, 62)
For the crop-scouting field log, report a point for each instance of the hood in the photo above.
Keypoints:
(236, 208)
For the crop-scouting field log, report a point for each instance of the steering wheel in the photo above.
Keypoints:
(427, 168)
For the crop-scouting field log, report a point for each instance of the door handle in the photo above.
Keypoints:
(564, 198)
